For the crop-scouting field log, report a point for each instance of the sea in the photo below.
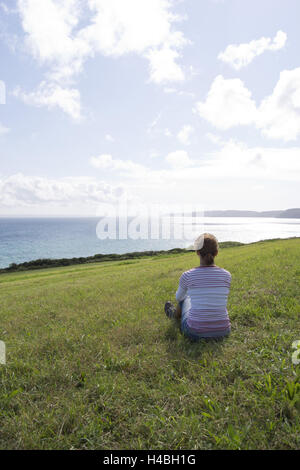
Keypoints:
(26, 239)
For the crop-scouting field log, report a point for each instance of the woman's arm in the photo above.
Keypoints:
(182, 289)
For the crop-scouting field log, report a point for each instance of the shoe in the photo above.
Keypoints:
(170, 310)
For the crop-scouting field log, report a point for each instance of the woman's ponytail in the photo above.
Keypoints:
(208, 258)
(209, 249)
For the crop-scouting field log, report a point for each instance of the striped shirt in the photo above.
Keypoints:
(206, 290)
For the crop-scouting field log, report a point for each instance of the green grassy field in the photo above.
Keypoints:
(93, 363)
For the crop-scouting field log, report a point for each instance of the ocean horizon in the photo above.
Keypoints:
(29, 238)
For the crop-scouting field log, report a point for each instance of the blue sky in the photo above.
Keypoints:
(169, 101)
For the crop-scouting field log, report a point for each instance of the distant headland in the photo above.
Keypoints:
(285, 214)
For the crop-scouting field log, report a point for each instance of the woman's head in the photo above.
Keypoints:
(207, 248)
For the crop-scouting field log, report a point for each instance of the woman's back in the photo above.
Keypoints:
(205, 290)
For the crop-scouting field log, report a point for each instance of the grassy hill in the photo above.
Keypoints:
(93, 363)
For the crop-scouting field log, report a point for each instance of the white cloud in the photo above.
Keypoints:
(154, 123)
(51, 37)
(128, 167)
(55, 39)
(229, 103)
(62, 35)
(119, 27)
(216, 178)
(52, 96)
(103, 161)
(214, 138)
(7, 10)
(7, 37)
(154, 154)
(238, 160)
(193, 72)
(3, 129)
(185, 134)
(21, 190)
(279, 113)
(109, 138)
(4, 8)
(179, 159)
(163, 66)
(241, 55)
(233, 160)
(170, 90)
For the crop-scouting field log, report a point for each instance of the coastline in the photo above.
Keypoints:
(47, 263)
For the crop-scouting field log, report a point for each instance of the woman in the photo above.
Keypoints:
(202, 295)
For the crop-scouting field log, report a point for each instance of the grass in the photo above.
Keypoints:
(93, 363)
(44, 263)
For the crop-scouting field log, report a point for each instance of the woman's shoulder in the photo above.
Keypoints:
(198, 270)
(223, 269)
(225, 272)
(213, 271)
(187, 274)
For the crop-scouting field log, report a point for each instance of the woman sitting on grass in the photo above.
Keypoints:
(202, 295)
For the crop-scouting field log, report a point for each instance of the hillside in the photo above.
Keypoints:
(288, 213)
(93, 363)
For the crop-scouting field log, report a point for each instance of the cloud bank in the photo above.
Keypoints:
(21, 190)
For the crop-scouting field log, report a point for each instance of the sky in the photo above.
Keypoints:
(161, 101)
